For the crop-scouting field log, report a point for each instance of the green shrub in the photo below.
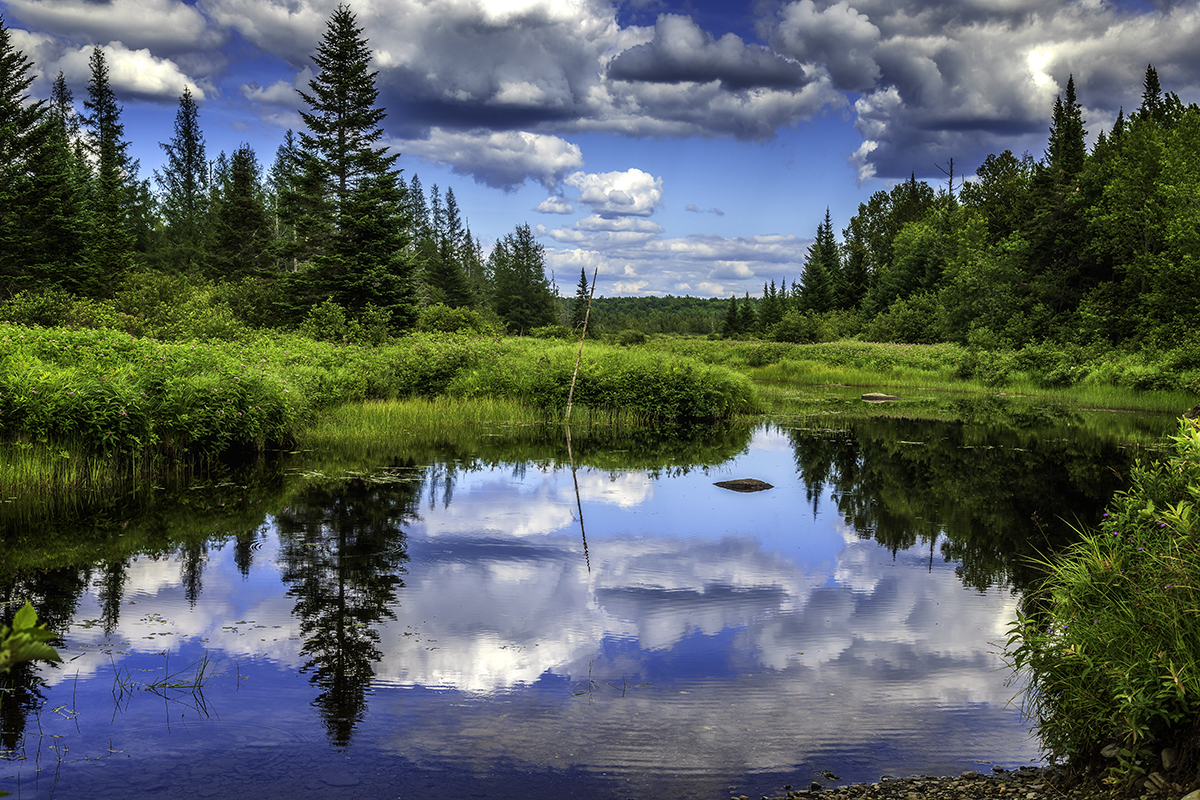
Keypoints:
(797, 327)
(629, 338)
(912, 320)
(1111, 646)
(441, 318)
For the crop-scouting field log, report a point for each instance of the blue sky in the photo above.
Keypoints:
(679, 147)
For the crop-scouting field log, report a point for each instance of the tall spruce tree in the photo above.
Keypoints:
(450, 279)
(56, 226)
(111, 240)
(183, 184)
(241, 235)
(23, 135)
(523, 298)
(822, 271)
(579, 307)
(364, 261)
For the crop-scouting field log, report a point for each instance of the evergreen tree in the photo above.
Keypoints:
(731, 326)
(364, 260)
(771, 309)
(523, 298)
(579, 307)
(111, 240)
(56, 226)
(241, 227)
(1152, 101)
(183, 184)
(23, 137)
(440, 252)
(747, 316)
(285, 203)
(822, 269)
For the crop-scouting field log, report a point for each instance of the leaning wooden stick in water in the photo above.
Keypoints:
(582, 336)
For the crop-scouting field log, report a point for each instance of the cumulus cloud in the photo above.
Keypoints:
(555, 205)
(131, 73)
(962, 78)
(632, 193)
(164, 26)
(502, 160)
(695, 209)
(711, 265)
(682, 52)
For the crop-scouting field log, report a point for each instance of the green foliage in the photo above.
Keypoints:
(440, 318)
(1110, 645)
(643, 384)
(329, 322)
(555, 332)
(912, 320)
(25, 640)
(522, 294)
(797, 327)
(629, 338)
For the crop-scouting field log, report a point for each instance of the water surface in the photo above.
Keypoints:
(440, 621)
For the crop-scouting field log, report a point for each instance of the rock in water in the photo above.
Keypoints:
(744, 485)
(876, 397)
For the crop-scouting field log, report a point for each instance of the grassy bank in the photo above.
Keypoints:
(79, 408)
(1111, 645)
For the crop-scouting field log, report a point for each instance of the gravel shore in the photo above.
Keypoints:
(1026, 783)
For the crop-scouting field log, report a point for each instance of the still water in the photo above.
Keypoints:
(477, 618)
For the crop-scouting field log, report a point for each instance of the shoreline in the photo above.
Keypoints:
(1022, 783)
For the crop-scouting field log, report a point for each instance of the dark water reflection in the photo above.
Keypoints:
(425, 621)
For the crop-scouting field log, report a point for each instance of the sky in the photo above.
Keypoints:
(684, 147)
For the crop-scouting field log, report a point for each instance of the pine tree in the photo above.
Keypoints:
(23, 135)
(364, 260)
(111, 242)
(822, 271)
(56, 226)
(241, 226)
(1152, 101)
(523, 298)
(731, 326)
(579, 307)
(285, 203)
(451, 278)
(184, 187)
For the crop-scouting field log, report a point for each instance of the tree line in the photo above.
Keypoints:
(331, 222)
(1087, 247)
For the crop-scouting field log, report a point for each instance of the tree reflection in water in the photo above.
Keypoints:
(343, 552)
(997, 495)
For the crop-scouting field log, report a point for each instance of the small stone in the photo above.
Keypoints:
(1157, 779)
(1168, 757)
(1111, 751)
(969, 774)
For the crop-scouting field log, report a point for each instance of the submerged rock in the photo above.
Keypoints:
(876, 397)
(744, 485)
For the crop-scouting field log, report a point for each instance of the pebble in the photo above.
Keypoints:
(1025, 783)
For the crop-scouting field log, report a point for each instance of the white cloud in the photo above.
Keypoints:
(618, 194)
(597, 223)
(716, 266)
(136, 73)
(280, 93)
(168, 26)
(555, 205)
(502, 160)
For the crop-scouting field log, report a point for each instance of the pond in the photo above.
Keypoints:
(478, 616)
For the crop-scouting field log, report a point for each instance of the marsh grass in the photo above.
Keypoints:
(1111, 645)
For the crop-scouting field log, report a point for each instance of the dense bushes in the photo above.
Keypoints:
(110, 392)
(1111, 647)
(643, 384)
